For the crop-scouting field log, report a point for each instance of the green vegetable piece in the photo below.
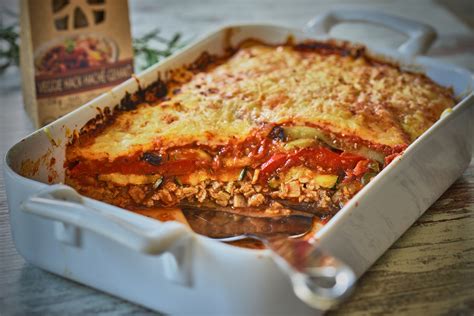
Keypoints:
(374, 166)
(157, 183)
(178, 182)
(242, 174)
(367, 177)
(298, 132)
(300, 143)
(301, 132)
(370, 153)
(273, 183)
(327, 181)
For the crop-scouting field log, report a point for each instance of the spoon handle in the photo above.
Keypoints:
(319, 279)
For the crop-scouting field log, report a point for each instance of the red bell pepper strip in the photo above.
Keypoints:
(272, 164)
(361, 168)
(312, 157)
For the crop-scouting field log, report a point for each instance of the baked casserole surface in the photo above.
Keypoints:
(266, 130)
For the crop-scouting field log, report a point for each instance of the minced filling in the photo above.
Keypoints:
(297, 188)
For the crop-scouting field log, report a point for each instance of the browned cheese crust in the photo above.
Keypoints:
(267, 128)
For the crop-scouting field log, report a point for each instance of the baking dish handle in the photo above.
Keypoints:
(319, 279)
(63, 204)
(420, 36)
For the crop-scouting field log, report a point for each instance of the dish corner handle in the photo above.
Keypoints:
(420, 36)
(63, 204)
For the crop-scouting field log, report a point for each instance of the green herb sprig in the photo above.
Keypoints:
(9, 41)
(144, 47)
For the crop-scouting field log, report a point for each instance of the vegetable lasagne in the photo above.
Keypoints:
(266, 129)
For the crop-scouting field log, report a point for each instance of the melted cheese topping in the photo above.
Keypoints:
(259, 84)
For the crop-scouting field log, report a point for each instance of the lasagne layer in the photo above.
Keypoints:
(274, 128)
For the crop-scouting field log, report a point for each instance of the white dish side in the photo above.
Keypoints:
(195, 274)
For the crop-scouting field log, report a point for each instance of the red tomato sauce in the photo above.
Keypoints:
(263, 153)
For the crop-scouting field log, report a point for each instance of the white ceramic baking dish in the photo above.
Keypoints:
(168, 268)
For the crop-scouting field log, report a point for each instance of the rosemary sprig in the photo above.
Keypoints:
(145, 52)
(9, 42)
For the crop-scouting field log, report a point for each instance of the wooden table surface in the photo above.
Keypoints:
(430, 270)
